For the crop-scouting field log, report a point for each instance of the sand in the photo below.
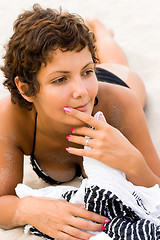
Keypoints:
(136, 24)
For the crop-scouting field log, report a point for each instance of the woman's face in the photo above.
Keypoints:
(68, 80)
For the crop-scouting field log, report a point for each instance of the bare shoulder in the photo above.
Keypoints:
(117, 102)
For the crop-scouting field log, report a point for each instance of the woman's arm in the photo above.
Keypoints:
(128, 116)
(132, 123)
(139, 172)
(9, 206)
(136, 157)
(11, 173)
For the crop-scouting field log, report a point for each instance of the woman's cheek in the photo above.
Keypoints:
(93, 85)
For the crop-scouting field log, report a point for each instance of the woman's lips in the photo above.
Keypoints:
(82, 108)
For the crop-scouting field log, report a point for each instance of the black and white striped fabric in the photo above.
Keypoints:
(124, 223)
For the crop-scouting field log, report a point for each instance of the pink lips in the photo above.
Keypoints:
(82, 108)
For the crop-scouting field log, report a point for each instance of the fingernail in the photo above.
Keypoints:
(68, 149)
(68, 137)
(100, 116)
(67, 110)
(72, 129)
(107, 220)
(103, 228)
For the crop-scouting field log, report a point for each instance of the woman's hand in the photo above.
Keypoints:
(107, 143)
(109, 146)
(59, 219)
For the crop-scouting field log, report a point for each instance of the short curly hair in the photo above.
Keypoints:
(36, 34)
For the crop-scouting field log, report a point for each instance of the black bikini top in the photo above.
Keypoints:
(37, 168)
(103, 76)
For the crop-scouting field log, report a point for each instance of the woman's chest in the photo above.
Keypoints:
(55, 161)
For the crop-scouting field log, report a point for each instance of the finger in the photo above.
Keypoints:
(59, 231)
(85, 131)
(78, 210)
(83, 213)
(83, 152)
(63, 236)
(101, 117)
(84, 117)
(87, 225)
(76, 231)
(82, 140)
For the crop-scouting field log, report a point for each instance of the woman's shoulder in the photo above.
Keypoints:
(12, 112)
(115, 101)
(114, 94)
(16, 122)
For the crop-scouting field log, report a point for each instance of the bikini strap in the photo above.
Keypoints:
(34, 137)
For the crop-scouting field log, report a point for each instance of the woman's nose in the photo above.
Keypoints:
(79, 88)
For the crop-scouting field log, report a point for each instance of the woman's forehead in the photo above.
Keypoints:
(63, 59)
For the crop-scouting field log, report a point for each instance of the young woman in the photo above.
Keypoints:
(51, 72)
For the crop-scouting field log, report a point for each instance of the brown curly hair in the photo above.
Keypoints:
(36, 34)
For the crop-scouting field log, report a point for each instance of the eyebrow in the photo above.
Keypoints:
(88, 65)
(59, 71)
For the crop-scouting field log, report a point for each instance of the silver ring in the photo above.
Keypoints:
(86, 142)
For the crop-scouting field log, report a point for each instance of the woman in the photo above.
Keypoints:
(50, 72)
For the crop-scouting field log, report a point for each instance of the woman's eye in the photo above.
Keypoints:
(88, 72)
(59, 80)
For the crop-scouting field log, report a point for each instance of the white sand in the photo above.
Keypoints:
(136, 24)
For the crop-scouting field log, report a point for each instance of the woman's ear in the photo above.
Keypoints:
(23, 88)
